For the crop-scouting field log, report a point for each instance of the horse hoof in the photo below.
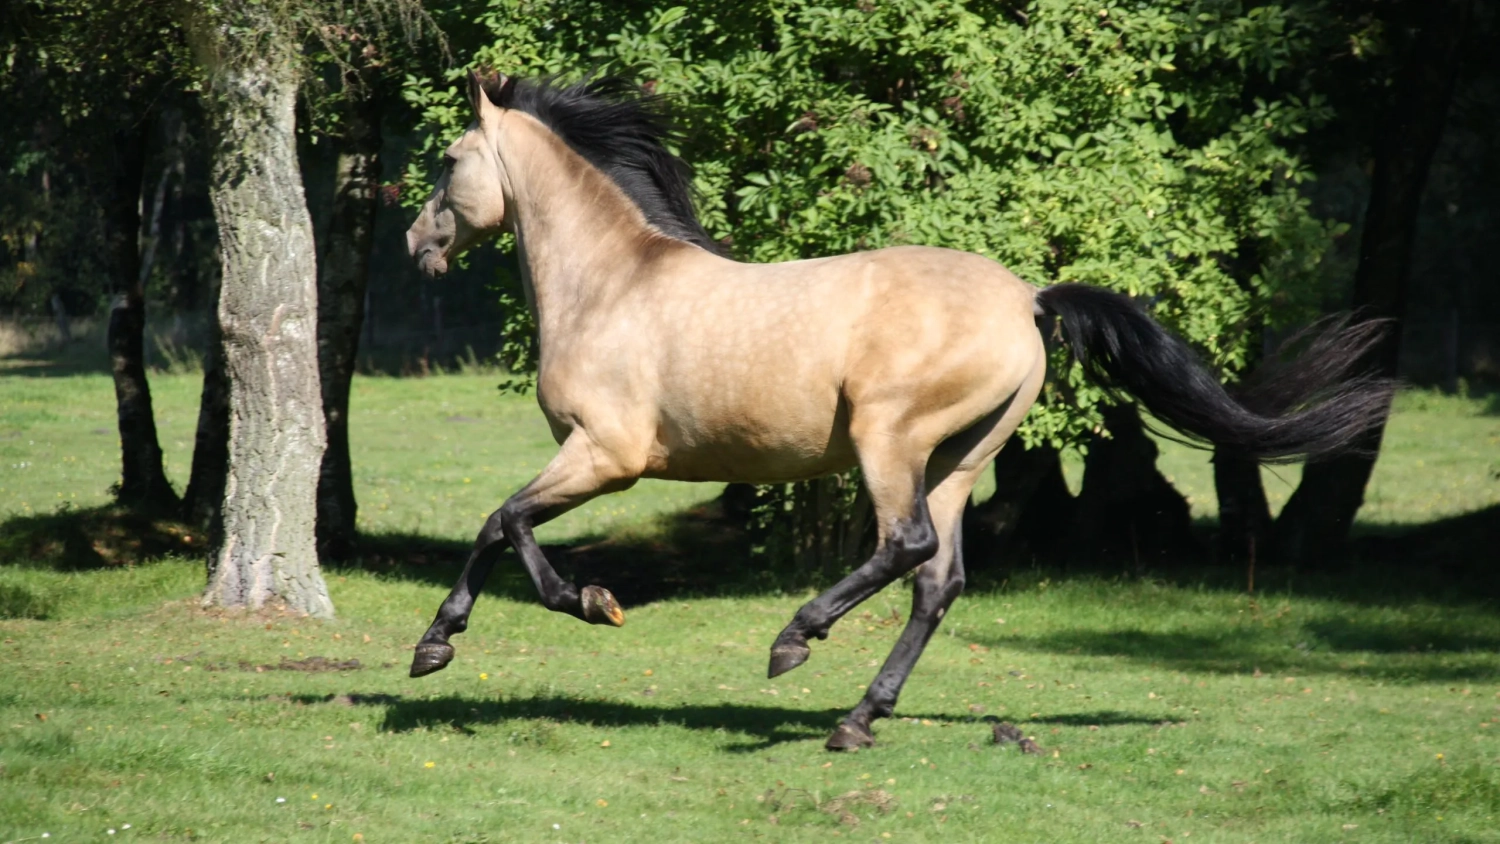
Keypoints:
(600, 607)
(785, 657)
(430, 657)
(850, 737)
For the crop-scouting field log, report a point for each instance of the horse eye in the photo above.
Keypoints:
(449, 161)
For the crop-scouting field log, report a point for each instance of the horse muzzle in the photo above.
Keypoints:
(432, 263)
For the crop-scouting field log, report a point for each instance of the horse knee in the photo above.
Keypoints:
(493, 530)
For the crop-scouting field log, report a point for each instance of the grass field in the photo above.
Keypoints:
(1167, 710)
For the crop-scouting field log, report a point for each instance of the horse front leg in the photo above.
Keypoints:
(433, 653)
(578, 473)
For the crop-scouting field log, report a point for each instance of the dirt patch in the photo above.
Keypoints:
(311, 664)
(847, 807)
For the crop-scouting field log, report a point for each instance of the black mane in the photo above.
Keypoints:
(623, 131)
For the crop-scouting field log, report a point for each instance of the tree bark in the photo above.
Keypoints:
(203, 502)
(143, 482)
(343, 275)
(1315, 523)
(268, 318)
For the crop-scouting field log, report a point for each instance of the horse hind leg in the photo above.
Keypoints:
(955, 467)
(938, 584)
(575, 475)
(906, 539)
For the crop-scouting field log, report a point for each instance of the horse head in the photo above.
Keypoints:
(467, 205)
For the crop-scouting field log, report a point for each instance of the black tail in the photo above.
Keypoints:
(1313, 406)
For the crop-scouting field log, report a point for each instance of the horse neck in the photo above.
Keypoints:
(579, 236)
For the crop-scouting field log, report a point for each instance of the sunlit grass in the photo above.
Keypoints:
(1163, 712)
(1166, 711)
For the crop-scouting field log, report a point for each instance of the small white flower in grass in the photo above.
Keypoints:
(110, 831)
(557, 826)
(281, 800)
(124, 826)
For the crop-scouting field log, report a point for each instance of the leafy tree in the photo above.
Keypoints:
(87, 77)
(1407, 126)
(356, 89)
(251, 57)
(1116, 145)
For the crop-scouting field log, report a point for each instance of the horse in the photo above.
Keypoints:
(662, 358)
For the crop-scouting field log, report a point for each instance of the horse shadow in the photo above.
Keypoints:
(764, 726)
(534, 718)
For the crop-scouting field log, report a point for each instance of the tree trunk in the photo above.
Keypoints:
(1031, 507)
(1127, 510)
(268, 319)
(203, 502)
(343, 275)
(1315, 523)
(1244, 515)
(143, 483)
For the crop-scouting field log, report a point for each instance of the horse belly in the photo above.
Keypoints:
(770, 443)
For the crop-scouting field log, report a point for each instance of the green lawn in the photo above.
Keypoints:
(1166, 711)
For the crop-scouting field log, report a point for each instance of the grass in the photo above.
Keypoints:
(1167, 710)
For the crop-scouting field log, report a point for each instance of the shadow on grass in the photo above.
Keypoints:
(698, 552)
(82, 539)
(1326, 646)
(693, 553)
(1100, 718)
(85, 354)
(766, 725)
(1446, 562)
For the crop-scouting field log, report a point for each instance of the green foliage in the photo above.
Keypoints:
(1126, 147)
(1117, 146)
(74, 75)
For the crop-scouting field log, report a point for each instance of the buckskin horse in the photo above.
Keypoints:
(661, 358)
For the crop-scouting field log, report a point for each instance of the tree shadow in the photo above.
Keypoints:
(693, 553)
(84, 539)
(700, 552)
(1327, 645)
(84, 354)
(1446, 561)
(1101, 718)
(766, 726)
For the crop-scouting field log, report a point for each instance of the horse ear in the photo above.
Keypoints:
(486, 87)
(476, 92)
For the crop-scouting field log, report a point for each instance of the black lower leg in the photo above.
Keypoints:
(911, 543)
(593, 604)
(433, 653)
(930, 602)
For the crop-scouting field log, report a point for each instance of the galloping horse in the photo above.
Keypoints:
(660, 358)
